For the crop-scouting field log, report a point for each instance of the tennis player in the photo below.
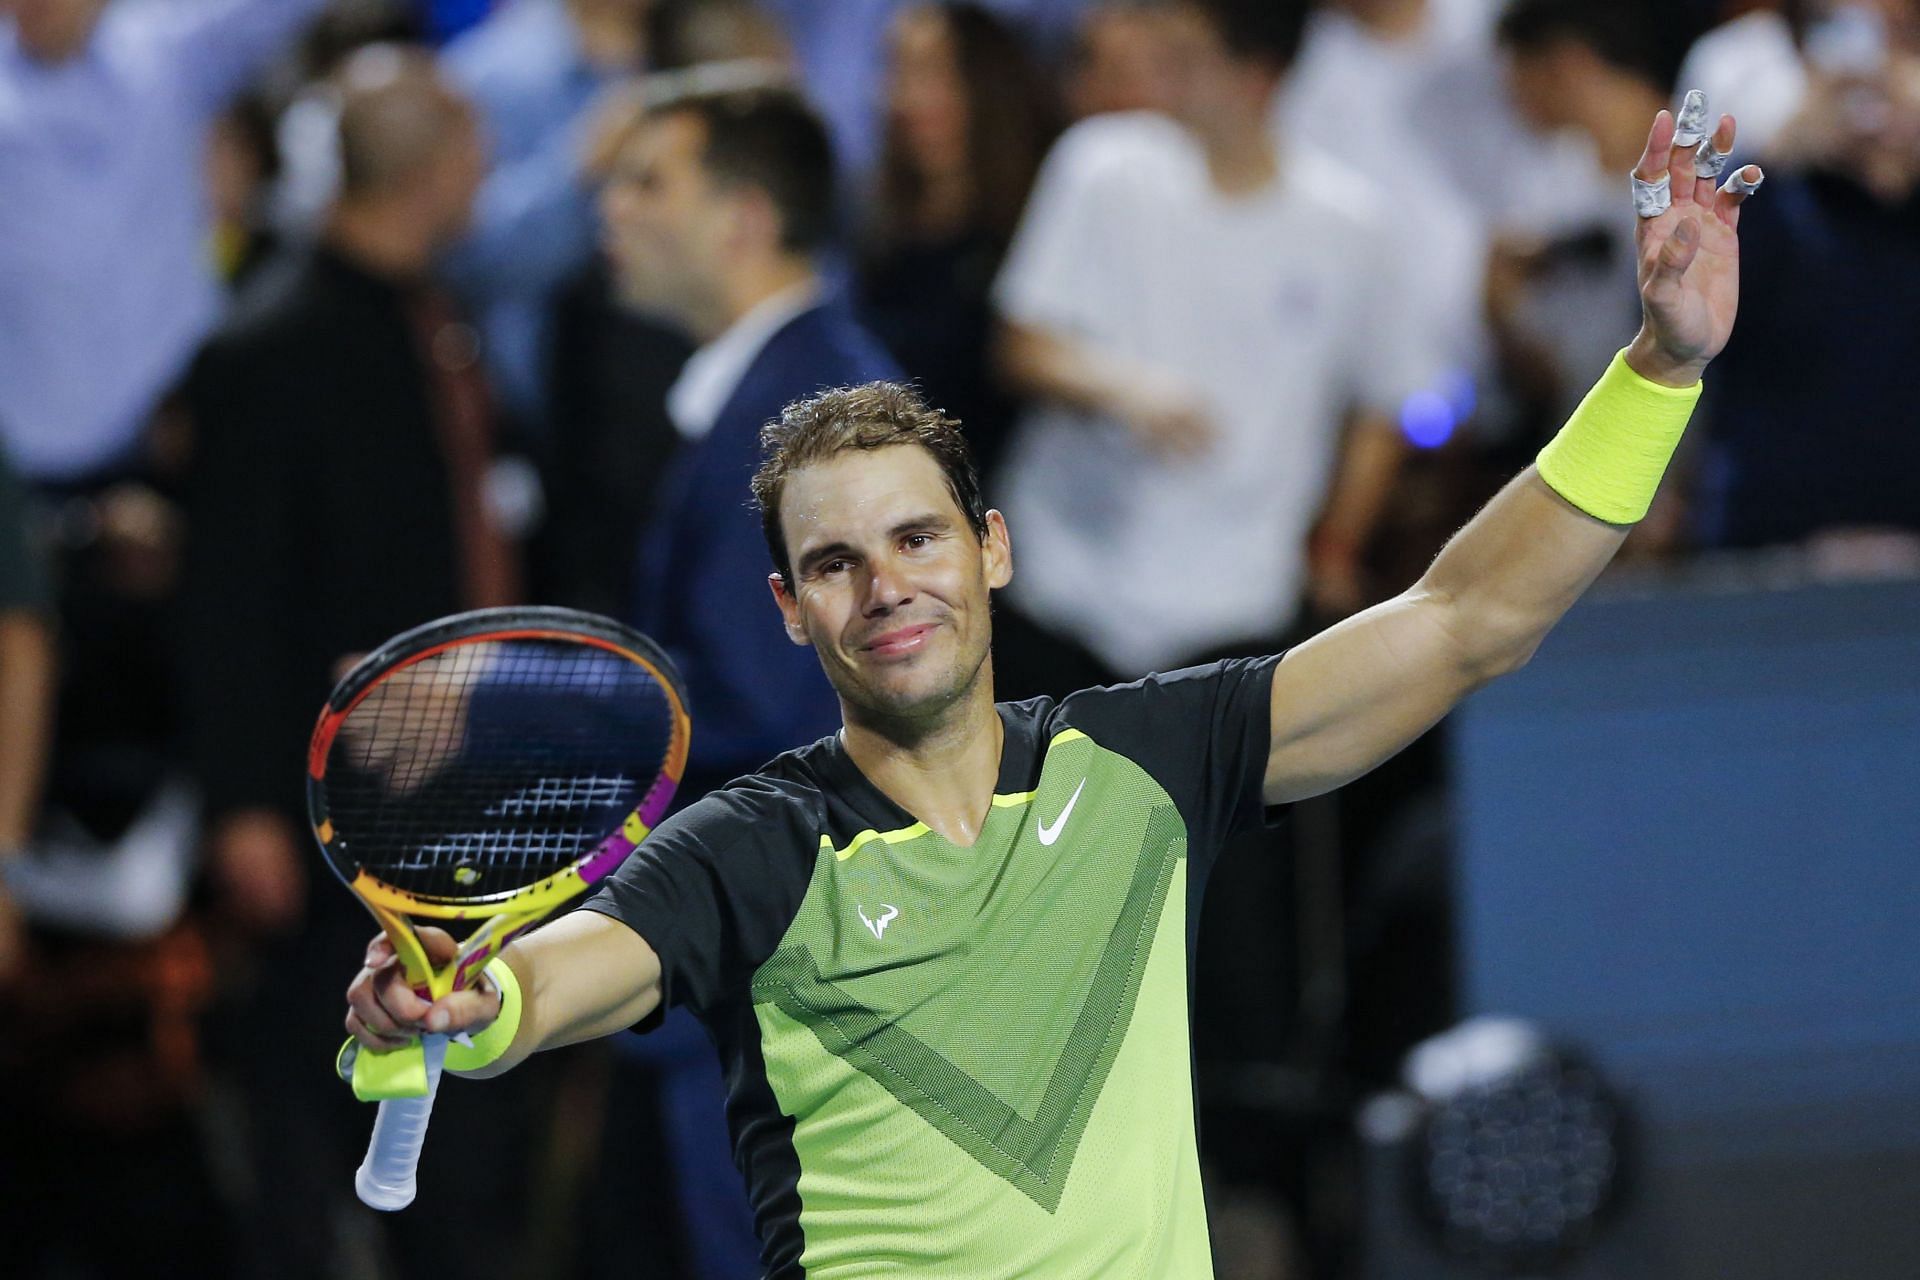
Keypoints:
(945, 954)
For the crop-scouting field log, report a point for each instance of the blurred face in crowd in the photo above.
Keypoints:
(1121, 64)
(890, 583)
(670, 228)
(1545, 82)
(926, 98)
(1212, 89)
(458, 169)
(53, 30)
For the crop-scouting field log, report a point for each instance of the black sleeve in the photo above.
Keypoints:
(239, 590)
(1203, 734)
(714, 889)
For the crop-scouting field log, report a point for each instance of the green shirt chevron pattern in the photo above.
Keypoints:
(1011, 1043)
(966, 1063)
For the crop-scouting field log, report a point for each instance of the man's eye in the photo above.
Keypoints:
(919, 540)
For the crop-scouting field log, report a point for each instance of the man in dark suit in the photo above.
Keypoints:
(716, 207)
(336, 496)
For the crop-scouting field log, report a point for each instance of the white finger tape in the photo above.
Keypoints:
(1708, 163)
(1692, 124)
(1651, 199)
(1740, 186)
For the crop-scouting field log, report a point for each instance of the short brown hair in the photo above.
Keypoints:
(769, 137)
(875, 415)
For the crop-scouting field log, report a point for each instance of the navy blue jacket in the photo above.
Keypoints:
(704, 563)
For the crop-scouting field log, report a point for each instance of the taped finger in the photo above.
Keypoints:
(1741, 185)
(1707, 162)
(1651, 199)
(1691, 125)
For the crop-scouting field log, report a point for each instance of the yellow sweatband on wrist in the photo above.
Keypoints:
(489, 1045)
(1609, 458)
(379, 1074)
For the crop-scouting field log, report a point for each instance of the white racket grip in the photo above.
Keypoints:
(385, 1179)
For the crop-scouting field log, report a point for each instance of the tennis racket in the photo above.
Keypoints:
(486, 767)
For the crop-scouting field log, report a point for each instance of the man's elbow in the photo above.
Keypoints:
(1489, 644)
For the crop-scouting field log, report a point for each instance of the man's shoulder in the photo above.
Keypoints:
(787, 795)
(289, 300)
(1124, 139)
(824, 346)
(1335, 190)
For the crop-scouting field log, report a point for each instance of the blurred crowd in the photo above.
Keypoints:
(322, 318)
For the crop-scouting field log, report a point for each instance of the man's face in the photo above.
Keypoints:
(53, 30)
(1540, 83)
(1212, 88)
(1123, 64)
(669, 226)
(890, 583)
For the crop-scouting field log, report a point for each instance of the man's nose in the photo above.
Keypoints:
(887, 588)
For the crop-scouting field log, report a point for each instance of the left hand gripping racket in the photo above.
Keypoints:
(486, 767)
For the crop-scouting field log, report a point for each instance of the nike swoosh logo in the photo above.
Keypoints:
(1048, 834)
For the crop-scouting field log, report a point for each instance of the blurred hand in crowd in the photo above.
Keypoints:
(1165, 416)
(1337, 583)
(52, 31)
(13, 938)
(1863, 124)
(258, 867)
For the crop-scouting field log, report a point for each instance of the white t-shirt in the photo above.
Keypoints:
(1277, 309)
(1750, 67)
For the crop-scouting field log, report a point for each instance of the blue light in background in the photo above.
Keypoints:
(1426, 419)
(1429, 418)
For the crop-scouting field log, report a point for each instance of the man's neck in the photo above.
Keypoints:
(750, 287)
(943, 775)
(1389, 19)
(610, 37)
(379, 240)
(1242, 158)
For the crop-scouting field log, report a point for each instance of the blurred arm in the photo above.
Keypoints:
(221, 45)
(1036, 363)
(1161, 413)
(1369, 468)
(27, 667)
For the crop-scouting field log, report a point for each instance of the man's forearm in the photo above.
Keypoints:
(1033, 362)
(581, 977)
(1369, 467)
(1515, 570)
(1519, 565)
(26, 719)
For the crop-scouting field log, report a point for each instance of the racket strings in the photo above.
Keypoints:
(494, 764)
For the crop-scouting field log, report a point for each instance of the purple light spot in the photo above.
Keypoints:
(1427, 420)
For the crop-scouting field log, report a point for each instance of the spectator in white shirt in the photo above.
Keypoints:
(107, 284)
(1199, 311)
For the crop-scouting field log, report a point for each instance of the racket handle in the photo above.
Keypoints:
(385, 1179)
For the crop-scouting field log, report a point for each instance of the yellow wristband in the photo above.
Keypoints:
(489, 1045)
(1609, 458)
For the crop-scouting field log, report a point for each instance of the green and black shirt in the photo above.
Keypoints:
(966, 1062)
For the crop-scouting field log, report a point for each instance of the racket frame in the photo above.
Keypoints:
(508, 914)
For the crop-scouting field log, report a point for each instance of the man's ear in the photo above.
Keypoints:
(756, 217)
(789, 609)
(997, 550)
